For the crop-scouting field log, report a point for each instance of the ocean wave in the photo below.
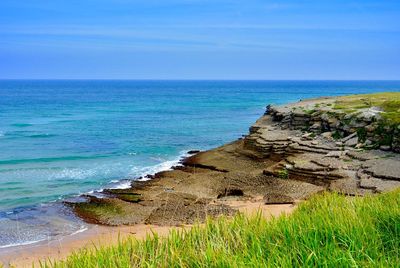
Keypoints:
(73, 174)
(83, 229)
(45, 135)
(149, 170)
(22, 243)
(36, 223)
(49, 159)
(21, 125)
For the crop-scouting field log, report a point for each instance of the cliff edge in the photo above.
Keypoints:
(344, 144)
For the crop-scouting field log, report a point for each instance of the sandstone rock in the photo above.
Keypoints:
(378, 185)
(327, 135)
(307, 136)
(316, 126)
(359, 145)
(351, 142)
(275, 198)
(349, 137)
(385, 168)
(336, 154)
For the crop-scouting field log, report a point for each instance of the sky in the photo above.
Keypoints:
(194, 39)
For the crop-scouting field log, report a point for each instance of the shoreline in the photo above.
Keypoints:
(117, 184)
(291, 153)
(100, 235)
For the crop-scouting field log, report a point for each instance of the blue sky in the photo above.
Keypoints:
(193, 39)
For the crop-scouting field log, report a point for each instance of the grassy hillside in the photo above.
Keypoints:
(389, 102)
(328, 230)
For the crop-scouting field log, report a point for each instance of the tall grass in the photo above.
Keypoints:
(327, 231)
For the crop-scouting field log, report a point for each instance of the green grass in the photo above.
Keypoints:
(329, 230)
(388, 101)
(283, 174)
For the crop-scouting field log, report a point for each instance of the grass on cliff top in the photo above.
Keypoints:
(329, 230)
(388, 101)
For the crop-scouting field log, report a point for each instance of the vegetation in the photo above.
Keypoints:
(389, 102)
(361, 134)
(329, 230)
(392, 109)
(283, 174)
(336, 135)
(97, 209)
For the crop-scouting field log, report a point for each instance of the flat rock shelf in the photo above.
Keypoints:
(347, 144)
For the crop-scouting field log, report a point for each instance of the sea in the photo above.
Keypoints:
(63, 138)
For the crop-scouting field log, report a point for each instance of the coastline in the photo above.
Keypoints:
(54, 206)
(99, 236)
(278, 164)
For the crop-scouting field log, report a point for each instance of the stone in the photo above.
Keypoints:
(316, 126)
(368, 142)
(289, 166)
(384, 147)
(336, 154)
(275, 198)
(349, 137)
(351, 142)
(359, 145)
(370, 128)
(371, 113)
(307, 136)
(327, 135)
(378, 185)
(385, 168)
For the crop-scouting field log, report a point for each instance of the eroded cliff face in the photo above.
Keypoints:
(366, 128)
(291, 153)
(352, 153)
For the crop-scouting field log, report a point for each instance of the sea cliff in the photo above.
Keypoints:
(346, 144)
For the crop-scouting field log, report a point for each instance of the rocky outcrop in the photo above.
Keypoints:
(326, 147)
(366, 126)
(291, 153)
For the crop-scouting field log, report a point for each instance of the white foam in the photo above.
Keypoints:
(122, 185)
(150, 170)
(22, 243)
(83, 228)
(74, 174)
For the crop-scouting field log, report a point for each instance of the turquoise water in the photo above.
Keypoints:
(62, 138)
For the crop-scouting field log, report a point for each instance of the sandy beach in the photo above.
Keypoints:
(98, 235)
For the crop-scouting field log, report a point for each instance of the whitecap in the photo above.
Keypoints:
(122, 185)
(149, 170)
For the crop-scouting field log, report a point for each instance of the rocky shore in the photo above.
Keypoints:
(348, 145)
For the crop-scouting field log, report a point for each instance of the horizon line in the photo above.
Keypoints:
(186, 79)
